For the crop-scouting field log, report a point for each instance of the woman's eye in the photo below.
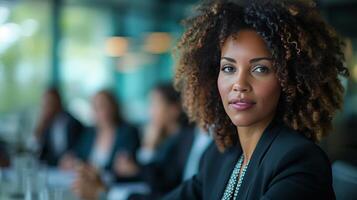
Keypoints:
(261, 69)
(228, 68)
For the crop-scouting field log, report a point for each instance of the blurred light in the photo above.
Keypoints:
(116, 46)
(9, 33)
(29, 27)
(83, 108)
(24, 73)
(157, 43)
(132, 61)
(354, 72)
(4, 14)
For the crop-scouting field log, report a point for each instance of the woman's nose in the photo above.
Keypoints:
(241, 84)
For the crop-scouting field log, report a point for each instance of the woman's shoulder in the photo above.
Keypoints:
(127, 132)
(127, 127)
(291, 148)
(290, 142)
(88, 131)
(293, 160)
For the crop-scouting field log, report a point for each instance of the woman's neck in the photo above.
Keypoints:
(105, 137)
(249, 137)
(106, 128)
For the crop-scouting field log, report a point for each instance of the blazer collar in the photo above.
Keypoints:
(261, 149)
(232, 155)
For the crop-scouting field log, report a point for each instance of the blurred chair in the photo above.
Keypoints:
(344, 180)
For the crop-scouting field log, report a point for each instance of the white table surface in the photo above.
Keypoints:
(56, 180)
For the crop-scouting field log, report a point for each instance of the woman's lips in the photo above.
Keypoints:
(241, 106)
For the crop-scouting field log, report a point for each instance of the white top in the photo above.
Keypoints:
(58, 134)
(200, 143)
(99, 157)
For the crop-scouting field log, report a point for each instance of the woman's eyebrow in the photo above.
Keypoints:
(259, 59)
(253, 60)
(229, 59)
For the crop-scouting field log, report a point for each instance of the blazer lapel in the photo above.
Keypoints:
(263, 145)
(230, 159)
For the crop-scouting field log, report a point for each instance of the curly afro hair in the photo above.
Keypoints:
(307, 54)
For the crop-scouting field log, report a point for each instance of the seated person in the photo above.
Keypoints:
(112, 136)
(168, 147)
(57, 131)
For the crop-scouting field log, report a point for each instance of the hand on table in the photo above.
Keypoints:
(68, 162)
(88, 184)
(125, 166)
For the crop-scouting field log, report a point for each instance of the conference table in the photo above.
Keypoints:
(42, 184)
(54, 184)
(27, 179)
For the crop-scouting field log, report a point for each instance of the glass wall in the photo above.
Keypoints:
(25, 53)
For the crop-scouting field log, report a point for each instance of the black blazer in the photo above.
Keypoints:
(284, 165)
(126, 139)
(73, 129)
(166, 171)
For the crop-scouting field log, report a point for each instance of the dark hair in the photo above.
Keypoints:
(47, 116)
(171, 96)
(306, 51)
(115, 111)
(53, 91)
(169, 93)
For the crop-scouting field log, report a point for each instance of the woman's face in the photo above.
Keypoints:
(51, 104)
(247, 82)
(161, 112)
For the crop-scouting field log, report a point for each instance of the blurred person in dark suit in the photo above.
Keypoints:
(348, 148)
(166, 141)
(166, 145)
(167, 148)
(112, 136)
(4, 155)
(57, 131)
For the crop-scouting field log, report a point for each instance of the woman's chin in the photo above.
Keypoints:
(242, 122)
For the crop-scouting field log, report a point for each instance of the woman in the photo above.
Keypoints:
(57, 131)
(166, 143)
(162, 157)
(264, 74)
(166, 120)
(112, 136)
(99, 146)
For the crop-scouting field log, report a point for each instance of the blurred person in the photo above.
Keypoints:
(57, 131)
(169, 144)
(166, 145)
(110, 137)
(346, 149)
(265, 75)
(202, 139)
(4, 155)
(166, 118)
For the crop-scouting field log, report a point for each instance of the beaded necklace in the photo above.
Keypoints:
(234, 182)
